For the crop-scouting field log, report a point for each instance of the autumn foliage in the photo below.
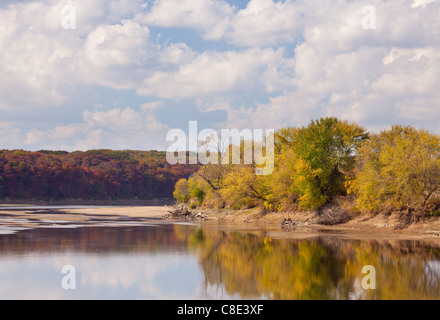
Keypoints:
(327, 160)
(398, 167)
(91, 175)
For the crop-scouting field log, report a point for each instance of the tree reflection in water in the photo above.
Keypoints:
(252, 265)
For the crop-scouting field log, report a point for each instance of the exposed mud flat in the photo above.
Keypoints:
(17, 218)
(300, 224)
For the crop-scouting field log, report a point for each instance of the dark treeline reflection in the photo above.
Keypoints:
(94, 240)
(250, 264)
(253, 265)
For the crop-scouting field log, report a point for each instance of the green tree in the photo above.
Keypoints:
(198, 189)
(321, 155)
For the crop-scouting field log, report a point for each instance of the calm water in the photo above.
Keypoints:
(181, 261)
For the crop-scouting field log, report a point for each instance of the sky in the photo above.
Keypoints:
(120, 74)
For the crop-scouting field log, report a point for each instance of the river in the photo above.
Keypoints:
(152, 259)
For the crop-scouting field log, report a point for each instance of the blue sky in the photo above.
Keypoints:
(132, 70)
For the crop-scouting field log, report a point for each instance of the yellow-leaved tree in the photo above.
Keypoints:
(181, 191)
(399, 167)
(242, 188)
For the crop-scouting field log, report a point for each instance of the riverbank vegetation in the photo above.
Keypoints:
(329, 161)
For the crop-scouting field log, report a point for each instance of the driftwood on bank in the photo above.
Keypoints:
(181, 212)
(288, 224)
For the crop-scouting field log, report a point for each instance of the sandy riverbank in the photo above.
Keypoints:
(133, 212)
(19, 217)
(72, 212)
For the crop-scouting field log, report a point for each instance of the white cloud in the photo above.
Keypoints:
(48, 63)
(123, 44)
(152, 105)
(377, 77)
(264, 22)
(11, 135)
(32, 61)
(116, 55)
(212, 73)
(127, 128)
(410, 72)
(116, 118)
(421, 3)
(176, 54)
(114, 129)
(211, 17)
(261, 23)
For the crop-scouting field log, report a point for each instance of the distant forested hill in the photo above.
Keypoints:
(91, 175)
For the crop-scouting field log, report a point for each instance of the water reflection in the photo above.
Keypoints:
(254, 265)
(172, 261)
(111, 263)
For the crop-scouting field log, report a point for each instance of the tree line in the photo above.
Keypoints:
(91, 175)
(326, 161)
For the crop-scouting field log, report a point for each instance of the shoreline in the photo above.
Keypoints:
(305, 224)
(368, 226)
